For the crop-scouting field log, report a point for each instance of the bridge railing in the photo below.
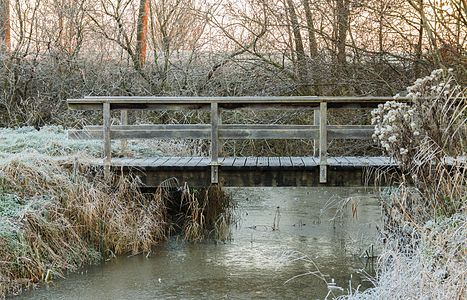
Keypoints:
(320, 131)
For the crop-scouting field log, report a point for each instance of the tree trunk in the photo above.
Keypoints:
(342, 28)
(142, 32)
(418, 5)
(299, 50)
(315, 67)
(419, 49)
(5, 42)
(311, 29)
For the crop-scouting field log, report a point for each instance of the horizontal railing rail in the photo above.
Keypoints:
(226, 132)
(215, 131)
(204, 103)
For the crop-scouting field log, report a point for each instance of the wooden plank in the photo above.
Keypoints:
(333, 161)
(340, 161)
(199, 132)
(365, 161)
(251, 161)
(124, 121)
(194, 161)
(265, 131)
(250, 102)
(136, 162)
(262, 162)
(375, 161)
(150, 161)
(171, 162)
(285, 161)
(227, 99)
(316, 141)
(239, 162)
(227, 131)
(159, 162)
(141, 134)
(120, 161)
(183, 161)
(297, 162)
(353, 161)
(310, 161)
(237, 99)
(274, 162)
(205, 162)
(228, 161)
(323, 142)
(214, 143)
(152, 127)
(384, 160)
(107, 141)
(347, 132)
(345, 161)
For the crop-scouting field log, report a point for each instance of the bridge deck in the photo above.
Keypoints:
(253, 171)
(286, 162)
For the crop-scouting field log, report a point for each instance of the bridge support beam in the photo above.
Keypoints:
(214, 143)
(323, 142)
(107, 144)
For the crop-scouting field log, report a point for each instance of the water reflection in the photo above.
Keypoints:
(257, 263)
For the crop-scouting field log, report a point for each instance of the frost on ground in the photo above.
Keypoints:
(53, 141)
(434, 266)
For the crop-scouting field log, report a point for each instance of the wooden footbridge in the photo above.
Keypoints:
(312, 168)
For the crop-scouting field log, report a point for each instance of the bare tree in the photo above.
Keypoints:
(301, 63)
(311, 29)
(5, 42)
(342, 10)
(142, 31)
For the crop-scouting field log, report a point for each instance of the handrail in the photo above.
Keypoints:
(233, 99)
(216, 131)
(244, 100)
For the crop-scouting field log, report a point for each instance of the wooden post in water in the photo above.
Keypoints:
(107, 145)
(214, 143)
(315, 141)
(124, 121)
(323, 142)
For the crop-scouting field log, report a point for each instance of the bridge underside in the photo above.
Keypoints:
(258, 171)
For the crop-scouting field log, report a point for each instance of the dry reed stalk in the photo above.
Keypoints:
(57, 220)
(425, 222)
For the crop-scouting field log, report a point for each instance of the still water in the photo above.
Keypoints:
(258, 263)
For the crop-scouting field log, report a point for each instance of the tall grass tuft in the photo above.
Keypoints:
(209, 212)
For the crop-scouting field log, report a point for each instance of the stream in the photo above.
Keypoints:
(299, 259)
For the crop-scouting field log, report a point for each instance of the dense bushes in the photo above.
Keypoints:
(425, 224)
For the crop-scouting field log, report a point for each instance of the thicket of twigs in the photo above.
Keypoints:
(54, 220)
(425, 225)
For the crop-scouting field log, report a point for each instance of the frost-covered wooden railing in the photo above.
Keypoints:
(320, 131)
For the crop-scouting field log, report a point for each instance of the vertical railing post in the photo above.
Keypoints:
(124, 121)
(316, 123)
(107, 145)
(323, 142)
(214, 143)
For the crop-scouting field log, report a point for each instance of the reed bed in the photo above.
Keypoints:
(54, 220)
